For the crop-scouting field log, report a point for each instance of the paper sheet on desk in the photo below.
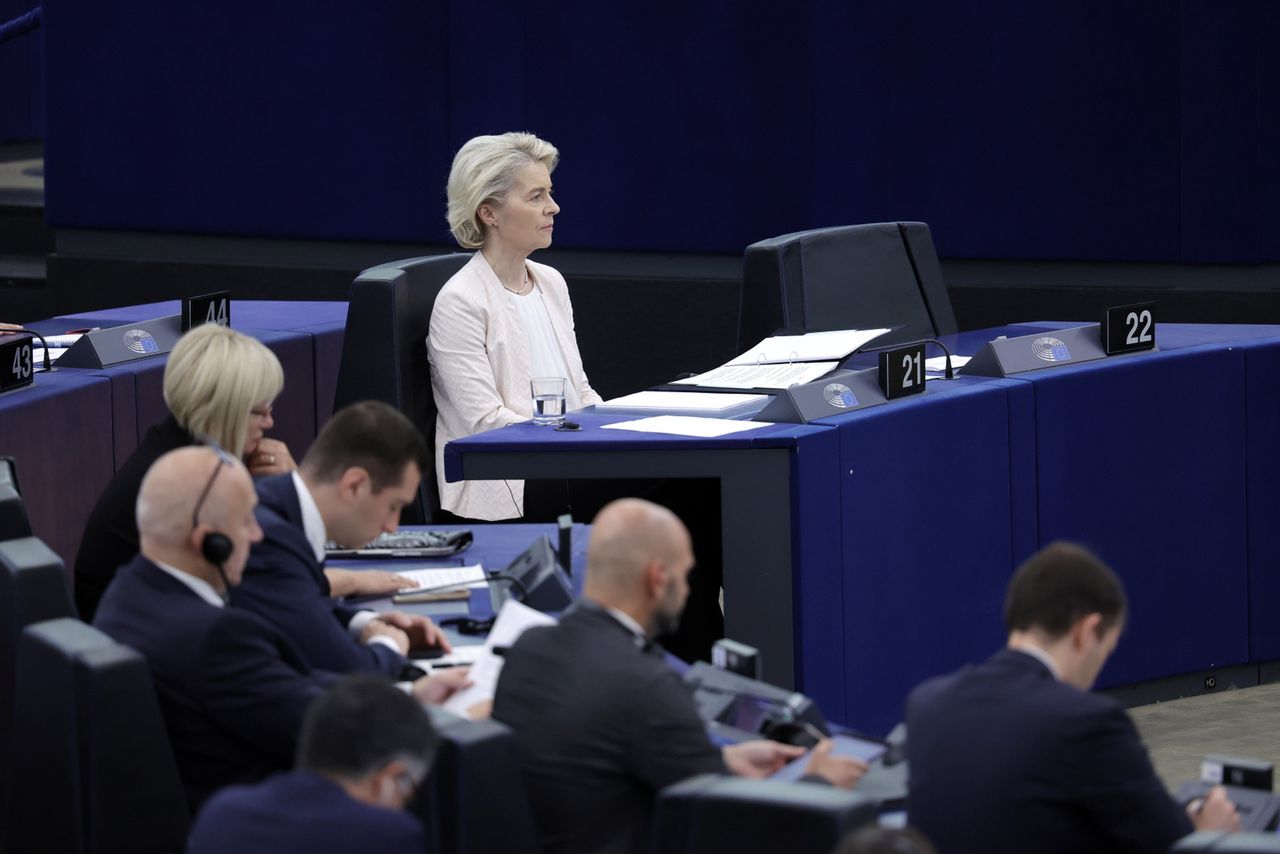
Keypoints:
(37, 353)
(512, 622)
(686, 425)
(938, 364)
(468, 576)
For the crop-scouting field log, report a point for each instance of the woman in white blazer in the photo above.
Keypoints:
(503, 318)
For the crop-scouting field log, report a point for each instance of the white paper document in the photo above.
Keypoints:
(707, 403)
(686, 425)
(37, 354)
(761, 376)
(512, 622)
(462, 576)
(811, 346)
(56, 342)
(938, 364)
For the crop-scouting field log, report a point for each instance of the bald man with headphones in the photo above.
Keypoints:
(233, 689)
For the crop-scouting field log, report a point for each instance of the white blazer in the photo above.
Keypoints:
(479, 359)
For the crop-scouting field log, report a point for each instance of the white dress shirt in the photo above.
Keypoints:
(198, 586)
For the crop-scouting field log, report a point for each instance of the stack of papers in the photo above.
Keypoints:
(450, 582)
(786, 360)
(513, 620)
(811, 346)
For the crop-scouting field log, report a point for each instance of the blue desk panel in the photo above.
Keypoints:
(1143, 458)
(927, 487)
(59, 431)
(1262, 432)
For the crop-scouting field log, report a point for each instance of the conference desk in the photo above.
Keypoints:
(73, 428)
(494, 547)
(868, 551)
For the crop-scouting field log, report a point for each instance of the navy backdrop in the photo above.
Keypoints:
(1061, 129)
(21, 78)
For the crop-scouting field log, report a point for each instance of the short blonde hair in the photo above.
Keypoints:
(484, 171)
(214, 378)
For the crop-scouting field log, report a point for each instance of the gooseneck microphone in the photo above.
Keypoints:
(48, 364)
(948, 374)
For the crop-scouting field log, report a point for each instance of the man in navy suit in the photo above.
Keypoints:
(365, 747)
(361, 470)
(232, 688)
(1015, 754)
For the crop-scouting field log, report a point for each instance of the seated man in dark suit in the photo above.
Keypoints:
(1015, 754)
(363, 467)
(601, 721)
(232, 688)
(365, 747)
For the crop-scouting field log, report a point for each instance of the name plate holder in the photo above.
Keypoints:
(1006, 357)
(120, 344)
(16, 367)
(835, 394)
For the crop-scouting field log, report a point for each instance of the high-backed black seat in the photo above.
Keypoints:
(716, 814)
(384, 350)
(33, 587)
(883, 274)
(474, 801)
(97, 770)
(13, 513)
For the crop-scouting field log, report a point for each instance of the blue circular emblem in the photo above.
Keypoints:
(140, 341)
(839, 395)
(1050, 349)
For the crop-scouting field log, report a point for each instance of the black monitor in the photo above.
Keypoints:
(13, 515)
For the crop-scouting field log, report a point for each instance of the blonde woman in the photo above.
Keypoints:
(218, 383)
(503, 318)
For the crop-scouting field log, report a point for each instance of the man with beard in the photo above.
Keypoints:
(601, 721)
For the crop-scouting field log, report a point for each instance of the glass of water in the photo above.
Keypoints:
(548, 400)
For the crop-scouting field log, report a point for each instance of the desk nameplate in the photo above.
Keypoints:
(1005, 357)
(16, 369)
(119, 344)
(835, 394)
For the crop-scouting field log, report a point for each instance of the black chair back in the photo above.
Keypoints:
(33, 587)
(715, 814)
(97, 769)
(13, 513)
(476, 778)
(850, 277)
(384, 352)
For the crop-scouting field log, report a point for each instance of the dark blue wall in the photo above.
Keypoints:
(21, 78)
(1058, 129)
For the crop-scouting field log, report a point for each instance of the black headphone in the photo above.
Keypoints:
(216, 548)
